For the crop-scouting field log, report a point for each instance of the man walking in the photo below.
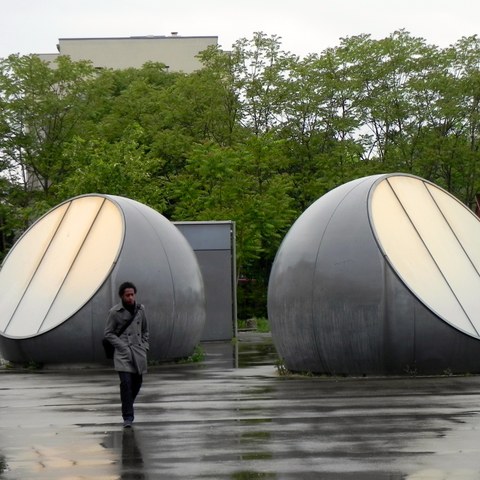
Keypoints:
(131, 346)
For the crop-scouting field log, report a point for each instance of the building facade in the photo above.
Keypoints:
(178, 53)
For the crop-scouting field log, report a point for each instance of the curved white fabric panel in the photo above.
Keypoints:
(431, 240)
(58, 265)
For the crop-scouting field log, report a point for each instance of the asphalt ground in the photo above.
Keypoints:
(233, 416)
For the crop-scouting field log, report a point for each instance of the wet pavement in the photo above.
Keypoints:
(234, 417)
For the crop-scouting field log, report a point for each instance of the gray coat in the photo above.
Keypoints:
(132, 346)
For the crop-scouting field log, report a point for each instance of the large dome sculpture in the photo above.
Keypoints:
(379, 276)
(62, 276)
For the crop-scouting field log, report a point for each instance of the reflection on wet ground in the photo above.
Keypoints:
(234, 417)
(131, 466)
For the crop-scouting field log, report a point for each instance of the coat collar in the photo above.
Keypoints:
(119, 307)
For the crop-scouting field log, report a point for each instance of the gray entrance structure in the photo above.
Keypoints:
(379, 276)
(214, 245)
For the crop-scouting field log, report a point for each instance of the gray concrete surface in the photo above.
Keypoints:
(234, 417)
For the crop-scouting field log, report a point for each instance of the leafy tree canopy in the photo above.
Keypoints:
(255, 136)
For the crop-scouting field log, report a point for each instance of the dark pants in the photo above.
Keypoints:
(130, 384)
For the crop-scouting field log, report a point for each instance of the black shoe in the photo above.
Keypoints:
(127, 424)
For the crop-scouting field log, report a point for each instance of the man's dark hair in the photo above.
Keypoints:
(124, 286)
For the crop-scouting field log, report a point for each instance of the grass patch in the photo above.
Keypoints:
(258, 324)
(197, 356)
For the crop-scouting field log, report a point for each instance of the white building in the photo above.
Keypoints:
(177, 52)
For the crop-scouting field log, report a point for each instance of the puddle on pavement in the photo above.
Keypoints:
(256, 350)
(249, 349)
(254, 427)
(249, 437)
(254, 421)
(130, 462)
(245, 475)
(49, 457)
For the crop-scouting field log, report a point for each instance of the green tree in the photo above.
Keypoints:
(243, 184)
(320, 125)
(115, 168)
(41, 108)
(459, 111)
(256, 136)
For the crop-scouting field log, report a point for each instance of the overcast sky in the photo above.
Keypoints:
(306, 26)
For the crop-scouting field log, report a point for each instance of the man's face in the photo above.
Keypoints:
(128, 296)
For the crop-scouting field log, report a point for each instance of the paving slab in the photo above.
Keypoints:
(233, 416)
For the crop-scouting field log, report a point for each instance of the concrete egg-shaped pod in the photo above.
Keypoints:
(62, 276)
(379, 276)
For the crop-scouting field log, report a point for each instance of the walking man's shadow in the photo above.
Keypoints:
(131, 464)
(132, 467)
